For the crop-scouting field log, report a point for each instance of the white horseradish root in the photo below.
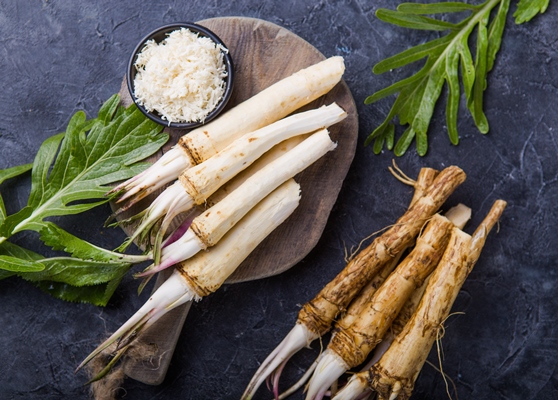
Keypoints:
(271, 104)
(196, 184)
(206, 272)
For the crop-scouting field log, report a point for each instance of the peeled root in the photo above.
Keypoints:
(298, 338)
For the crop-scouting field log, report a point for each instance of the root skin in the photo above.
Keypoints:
(395, 374)
(336, 296)
(354, 343)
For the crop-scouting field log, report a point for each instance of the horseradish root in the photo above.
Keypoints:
(271, 104)
(205, 272)
(317, 316)
(394, 375)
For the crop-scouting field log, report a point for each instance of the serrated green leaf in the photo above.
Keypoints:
(108, 109)
(13, 250)
(418, 94)
(435, 8)
(66, 278)
(3, 213)
(58, 239)
(75, 271)
(71, 173)
(527, 9)
(43, 160)
(98, 295)
(9, 173)
(88, 157)
(15, 264)
(413, 21)
(11, 221)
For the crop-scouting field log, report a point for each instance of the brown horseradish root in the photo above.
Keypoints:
(318, 314)
(351, 344)
(394, 375)
(425, 178)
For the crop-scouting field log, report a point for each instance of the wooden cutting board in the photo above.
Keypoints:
(264, 53)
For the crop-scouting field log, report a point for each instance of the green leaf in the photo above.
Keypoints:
(15, 264)
(413, 54)
(404, 142)
(418, 94)
(435, 8)
(398, 86)
(527, 9)
(76, 272)
(12, 250)
(66, 278)
(86, 159)
(57, 238)
(70, 174)
(495, 33)
(44, 158)
(476, 101)
(12, 172)
(467, 67)
(98, 295)
(6, 174)
(452, 107)
(11, 221)
(413, 21)
(3, 212)
(386, 136)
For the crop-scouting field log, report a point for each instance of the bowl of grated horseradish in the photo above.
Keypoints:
(181, 75)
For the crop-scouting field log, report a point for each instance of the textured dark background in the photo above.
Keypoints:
(60, 56)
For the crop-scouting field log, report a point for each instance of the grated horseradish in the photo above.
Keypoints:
(182, 77)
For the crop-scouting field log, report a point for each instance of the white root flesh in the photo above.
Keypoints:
(215, 222)
(271, 104)
(211, 267)
(198, 183)
(209, 227)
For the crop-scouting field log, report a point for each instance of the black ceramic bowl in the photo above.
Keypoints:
(159, 35)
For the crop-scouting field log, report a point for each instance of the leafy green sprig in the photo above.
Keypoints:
(71, 174)
(447, 58)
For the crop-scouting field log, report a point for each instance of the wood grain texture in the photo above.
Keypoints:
(264, 53)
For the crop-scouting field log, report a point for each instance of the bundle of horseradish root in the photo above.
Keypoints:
(234, 181)
(387, 306)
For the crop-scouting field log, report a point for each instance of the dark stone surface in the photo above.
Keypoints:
(59, 56)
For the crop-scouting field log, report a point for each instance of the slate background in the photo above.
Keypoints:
(60, 56)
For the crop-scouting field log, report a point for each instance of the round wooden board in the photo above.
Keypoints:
(264, 53)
